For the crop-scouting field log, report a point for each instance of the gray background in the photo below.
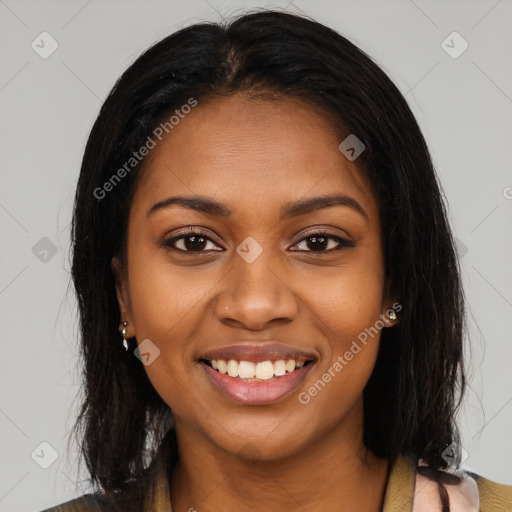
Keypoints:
(47, 108)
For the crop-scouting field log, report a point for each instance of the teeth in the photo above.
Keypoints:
(223, 367)
(290, 365)
(264, 370)
(247, 370)
(233, 368)
(279, 368)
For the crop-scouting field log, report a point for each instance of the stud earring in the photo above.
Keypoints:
(392, 315)
(125, 341)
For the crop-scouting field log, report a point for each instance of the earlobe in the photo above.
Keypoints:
(390, 315)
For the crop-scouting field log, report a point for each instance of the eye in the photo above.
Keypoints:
(191, 241)
(195, 241)
(324, 242)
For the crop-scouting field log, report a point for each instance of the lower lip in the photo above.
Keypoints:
(257, 393)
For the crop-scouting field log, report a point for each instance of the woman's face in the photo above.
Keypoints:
(258, 284)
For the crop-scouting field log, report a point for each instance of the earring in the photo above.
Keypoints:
(125, 341)
(392, 315)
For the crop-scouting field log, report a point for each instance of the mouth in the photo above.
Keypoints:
(257, 374)
(251, 371)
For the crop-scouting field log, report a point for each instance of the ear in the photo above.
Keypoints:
(123, 296)
(391, 306)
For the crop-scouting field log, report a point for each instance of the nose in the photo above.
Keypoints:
(256, 295)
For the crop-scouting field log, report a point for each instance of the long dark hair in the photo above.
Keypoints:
(413, 395)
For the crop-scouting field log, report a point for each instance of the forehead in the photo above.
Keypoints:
(251, 153)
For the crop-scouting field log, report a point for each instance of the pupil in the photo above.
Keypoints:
(197, 243)
(318, 242)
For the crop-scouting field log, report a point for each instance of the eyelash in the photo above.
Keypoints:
(342, 243)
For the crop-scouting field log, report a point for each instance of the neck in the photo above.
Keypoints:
(335, 470)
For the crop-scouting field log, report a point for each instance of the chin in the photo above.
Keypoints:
(270, 439)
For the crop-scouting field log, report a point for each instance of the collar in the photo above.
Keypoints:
(401, 483)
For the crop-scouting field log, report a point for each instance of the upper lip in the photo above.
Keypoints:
(257, 352)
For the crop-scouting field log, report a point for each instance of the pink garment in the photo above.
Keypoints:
(463, 496)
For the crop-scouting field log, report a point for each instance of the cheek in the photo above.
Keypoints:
(349, 309)
(346, 300)
(346, 306)
(165, 298)
(166, 307)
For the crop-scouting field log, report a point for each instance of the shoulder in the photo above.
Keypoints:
(463, 490)
(118, 502)
(150, 488)
(85, 503)
(493, 496)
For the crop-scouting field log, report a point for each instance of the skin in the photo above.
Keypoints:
(254, 156)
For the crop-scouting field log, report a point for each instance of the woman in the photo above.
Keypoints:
(258, 215)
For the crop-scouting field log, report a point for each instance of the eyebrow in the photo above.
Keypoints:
(288, 210)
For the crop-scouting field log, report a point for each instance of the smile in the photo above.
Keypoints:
(257, 374)
(249, 371)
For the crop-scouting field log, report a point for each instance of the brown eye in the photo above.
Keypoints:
(324, 242)
(191, 242)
